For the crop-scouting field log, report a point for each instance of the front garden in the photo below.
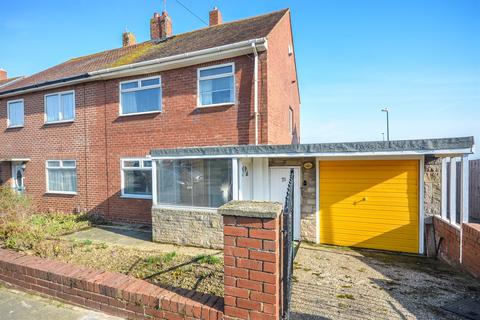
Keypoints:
(23, 229)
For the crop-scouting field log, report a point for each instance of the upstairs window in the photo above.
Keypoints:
(216, 85)
(137, 178)
(141, 96)
(60, 107)
(15, 114)
(62, 176)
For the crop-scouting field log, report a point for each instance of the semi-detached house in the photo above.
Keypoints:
(76, 136)
(165, 131)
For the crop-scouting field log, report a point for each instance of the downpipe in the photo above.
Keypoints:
(255, 90)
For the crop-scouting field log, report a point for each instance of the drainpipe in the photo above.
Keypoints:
(255, 90)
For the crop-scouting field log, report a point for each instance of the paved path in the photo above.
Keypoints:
(17, 305)
(139, 239)
(339, 283)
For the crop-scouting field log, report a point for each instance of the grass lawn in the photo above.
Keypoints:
(39, 234)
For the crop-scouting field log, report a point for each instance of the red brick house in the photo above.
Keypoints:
(75, 137)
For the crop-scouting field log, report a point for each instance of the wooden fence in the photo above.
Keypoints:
(474, 192)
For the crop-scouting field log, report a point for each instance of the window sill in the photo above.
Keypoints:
(139, 113)
(15, 127)
(133, 196)
(58, 122)
(215, 105)
(185, 208)
(62, 193)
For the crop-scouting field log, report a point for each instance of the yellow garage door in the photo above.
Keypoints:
(370, 204)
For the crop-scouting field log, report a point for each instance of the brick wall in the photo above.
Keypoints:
(99, 137)
(282, 85)
(109, 292)
(450, 240)
(252, 260)
(471, 248)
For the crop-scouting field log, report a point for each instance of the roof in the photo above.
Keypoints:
(205, 38)
(422, 146)
(8, 80)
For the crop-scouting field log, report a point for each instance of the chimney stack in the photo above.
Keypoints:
(3, 74)
(160, 26)
(128, 39)
(215, 17)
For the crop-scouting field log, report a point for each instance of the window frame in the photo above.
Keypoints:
(8, 114)
(139, 88)
(59, 94)
(199, 100)
(61, 168)
(158, 204)
(122, 177)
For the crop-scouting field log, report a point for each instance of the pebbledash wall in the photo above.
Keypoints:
(252, 267)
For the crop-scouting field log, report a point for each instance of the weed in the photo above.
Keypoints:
(345, 296)
(164, 258)
(208, 259)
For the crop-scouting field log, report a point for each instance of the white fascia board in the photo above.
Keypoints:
(162, 64)
(333, 155)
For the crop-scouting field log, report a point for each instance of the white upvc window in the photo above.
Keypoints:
(15, 113)
(60, 107)
(141, 96)
(61, 176)
(136, 178)
(216, 85)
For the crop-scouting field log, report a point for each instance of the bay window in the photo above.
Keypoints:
(137, 178)
(141, 96)
(216, 85)
(61, 176)
(194, 182)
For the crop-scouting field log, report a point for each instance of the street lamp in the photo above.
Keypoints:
(388, 129)
(383, 136)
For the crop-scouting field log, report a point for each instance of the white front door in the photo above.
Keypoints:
(18, 176)
(279, 177)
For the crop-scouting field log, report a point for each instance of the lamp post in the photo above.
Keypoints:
(388, 129)
(383, 136)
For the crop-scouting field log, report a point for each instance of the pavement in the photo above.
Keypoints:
(17, 305)
(341, 283)
(134, 238)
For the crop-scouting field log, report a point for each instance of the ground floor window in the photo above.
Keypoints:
(194, 183)
(137, 178)
(62, 176)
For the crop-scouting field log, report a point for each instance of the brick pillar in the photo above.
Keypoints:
(252, 259)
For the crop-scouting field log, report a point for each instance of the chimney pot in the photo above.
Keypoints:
(3, 74)
(160, 26)
(215, 17)
(128, 39)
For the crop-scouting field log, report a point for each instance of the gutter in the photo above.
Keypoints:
(171, 62)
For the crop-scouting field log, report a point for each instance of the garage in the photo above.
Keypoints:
(370, 204)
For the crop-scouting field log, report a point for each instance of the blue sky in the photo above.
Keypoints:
(419, 58)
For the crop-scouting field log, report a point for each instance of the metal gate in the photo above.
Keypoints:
(288, 246)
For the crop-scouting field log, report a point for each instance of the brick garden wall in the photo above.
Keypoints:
(109, 292)
(471, 248)
(458, 247)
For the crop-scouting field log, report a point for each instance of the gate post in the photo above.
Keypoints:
(252, 248)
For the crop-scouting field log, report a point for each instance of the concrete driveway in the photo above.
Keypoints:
(340, 283)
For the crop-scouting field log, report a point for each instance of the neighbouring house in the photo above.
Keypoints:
(166, 131)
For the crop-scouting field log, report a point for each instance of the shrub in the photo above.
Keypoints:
(14, 206)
